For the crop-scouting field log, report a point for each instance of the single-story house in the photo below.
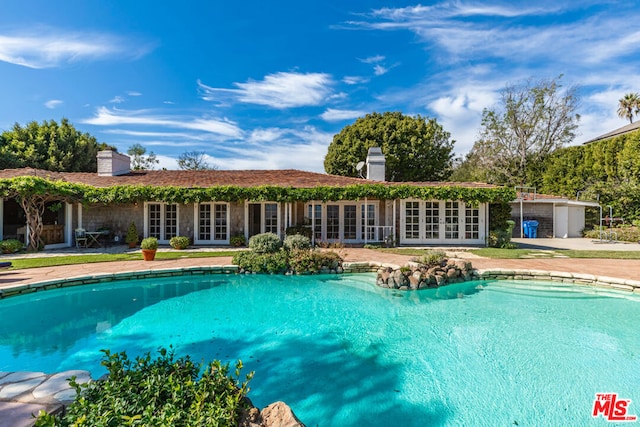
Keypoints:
(557, 216)
(404, 218)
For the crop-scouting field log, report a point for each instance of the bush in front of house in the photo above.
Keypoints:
(303, 261)
(265, 255)
(265, 243)
(161, 392)
(257, 262)
(10, 246)
(179, 242)
(296, 241)
(238, 240)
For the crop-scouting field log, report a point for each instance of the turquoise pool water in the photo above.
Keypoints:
(343, 352)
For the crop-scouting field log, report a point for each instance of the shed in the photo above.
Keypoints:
(557, 216)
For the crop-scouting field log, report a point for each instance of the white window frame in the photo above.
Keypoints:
(360, 230)
(196, 222)
(263, 218)
(442, 207)
(163, 205)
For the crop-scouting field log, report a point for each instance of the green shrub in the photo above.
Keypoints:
(160, 392)
(623, 234)
(305, 230)
(275, 262)
(179, 242)
(265, 243)
(502, 238)
(132, 234)
(238, 240)
(10, 246)
(302, 261)
(297, 241)
(432, 258)
(149, 243)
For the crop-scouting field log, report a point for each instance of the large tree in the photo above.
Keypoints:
(416, 148)
(194, 160)
(51, 146)
(531, 121)
(140, 160)
(629, 105)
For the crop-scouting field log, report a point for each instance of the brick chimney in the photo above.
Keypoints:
(375, 164)
(111, 163)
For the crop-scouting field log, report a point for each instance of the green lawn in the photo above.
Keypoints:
(50, 261)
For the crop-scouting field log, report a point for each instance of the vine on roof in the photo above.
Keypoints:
(27, 186)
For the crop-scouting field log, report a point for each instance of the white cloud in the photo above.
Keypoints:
(53, 103)
(134, 93)
(47, 48)
(106, 117)
(334, 115)
(280, 90)
(354, 80)
(373, 59)
(302, 149)
(116, 100)
(379, 70)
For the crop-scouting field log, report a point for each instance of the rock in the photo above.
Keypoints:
(278, 414)
(440, 280)
(415, 279)
(251, 418)
(452, 272)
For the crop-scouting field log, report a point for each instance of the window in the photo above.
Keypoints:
(333, 222)
(350, 222)
(471, 223)
(204, 222)
(451, 219)
(154, 220)
(161, 220)
(432, 220)
(170, 221)
(369, 221)
(221, 222)
(271, 218)
(213, 223)
(412, 220)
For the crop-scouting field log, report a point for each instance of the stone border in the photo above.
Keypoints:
(560, 276)
(347, 267)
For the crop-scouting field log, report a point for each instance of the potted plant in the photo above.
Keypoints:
(179, 242)
(132, 235)
(149, 247)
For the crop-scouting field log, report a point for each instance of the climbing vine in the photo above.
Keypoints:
(34, 192)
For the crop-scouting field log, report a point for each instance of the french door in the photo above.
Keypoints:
(441, 221)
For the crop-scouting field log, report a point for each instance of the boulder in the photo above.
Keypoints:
(279, 414)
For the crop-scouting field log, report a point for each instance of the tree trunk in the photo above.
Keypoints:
(34, 210)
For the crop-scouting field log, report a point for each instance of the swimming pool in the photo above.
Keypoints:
(341, 351)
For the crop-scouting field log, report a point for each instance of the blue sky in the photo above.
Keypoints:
(266, 85)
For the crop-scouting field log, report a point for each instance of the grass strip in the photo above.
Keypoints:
(52, 261)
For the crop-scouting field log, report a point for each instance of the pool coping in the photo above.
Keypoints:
(348, 267)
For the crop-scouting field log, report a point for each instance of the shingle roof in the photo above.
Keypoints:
(211, 178)
(620, 131)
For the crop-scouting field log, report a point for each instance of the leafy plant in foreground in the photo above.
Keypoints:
(163, 391)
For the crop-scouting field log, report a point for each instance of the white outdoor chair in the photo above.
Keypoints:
(81, 238)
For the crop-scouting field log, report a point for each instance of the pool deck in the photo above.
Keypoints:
(18, 395)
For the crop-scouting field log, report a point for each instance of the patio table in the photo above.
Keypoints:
(94, 238)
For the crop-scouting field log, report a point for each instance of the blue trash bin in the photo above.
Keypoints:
(533, 228)
(525, 228)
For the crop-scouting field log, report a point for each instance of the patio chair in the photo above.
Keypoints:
(81, 238)
(4, 265)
